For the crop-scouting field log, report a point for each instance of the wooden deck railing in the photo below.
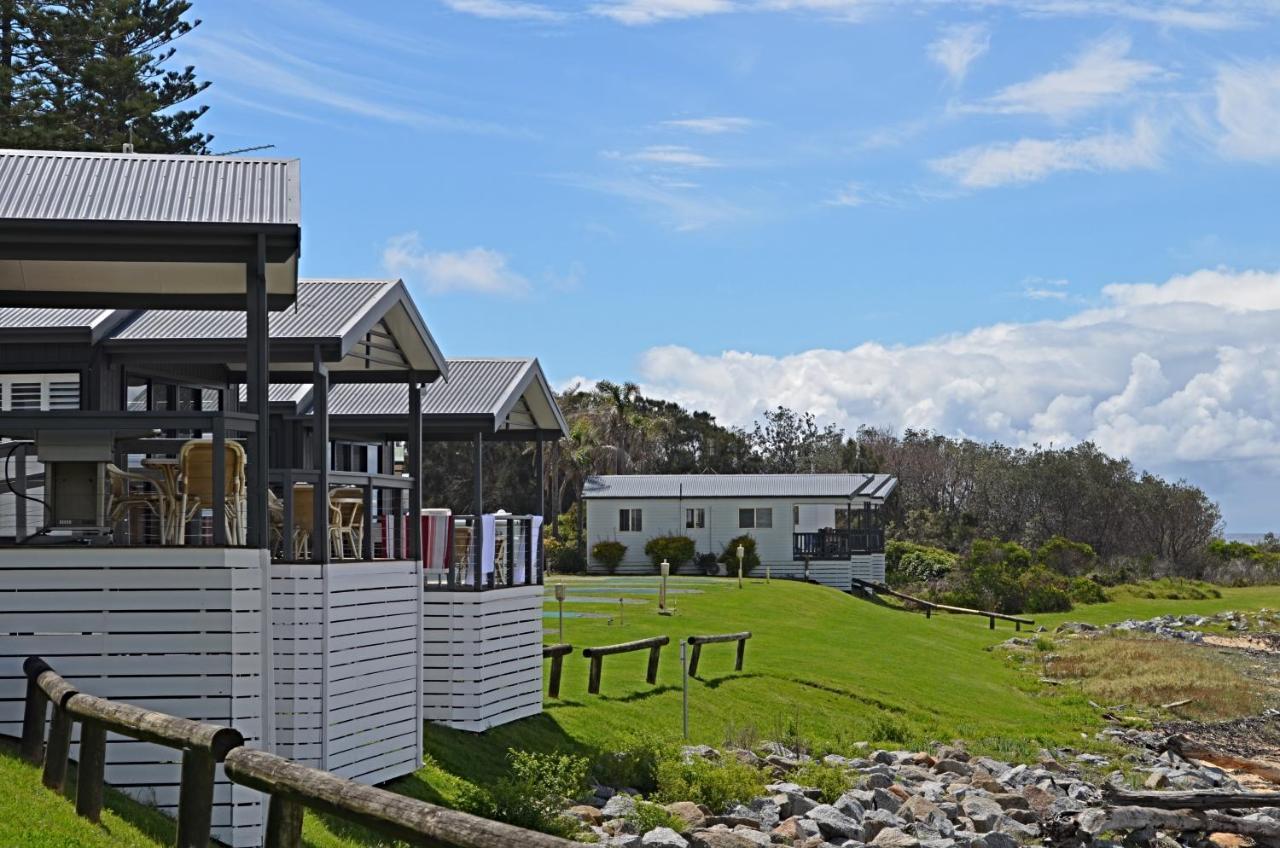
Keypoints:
(292, 787)
(930, 606)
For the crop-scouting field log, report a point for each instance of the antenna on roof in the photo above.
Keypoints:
(128, 145)
(244, 150)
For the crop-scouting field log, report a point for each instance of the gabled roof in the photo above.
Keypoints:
(72, 186)
(367, 329)
(73, 325)
(877, 486)
(490, 396)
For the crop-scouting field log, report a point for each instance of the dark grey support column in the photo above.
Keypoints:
(413, 456)
(257, 380)
(320, 457)
(477, 533)
(542, 505)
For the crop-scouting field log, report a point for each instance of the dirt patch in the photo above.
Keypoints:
(1267, 643)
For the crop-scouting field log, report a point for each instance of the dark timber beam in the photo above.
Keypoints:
(320, 458)
(477, 532)
(257, 391)
(414, 457)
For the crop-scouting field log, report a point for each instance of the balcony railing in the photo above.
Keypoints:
(486, 556)
(836, 544)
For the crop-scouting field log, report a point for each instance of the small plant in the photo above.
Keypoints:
(633, 762)
(832, 780)
(1084, 590)
(750, 559)
(1043, 644)
(562, 558)
(648, 816)
(533, 795)
(718, 785)
(609, 554)
(676, 549)
(1044, 591)
(708, 564)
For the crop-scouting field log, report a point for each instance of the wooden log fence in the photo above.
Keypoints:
(698, 641)
(1193, 799)
(557, 654)
(597, 655)
(291, 787)
(930, 606)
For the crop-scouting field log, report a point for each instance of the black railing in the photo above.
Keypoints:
(836, 544)
(517, 555)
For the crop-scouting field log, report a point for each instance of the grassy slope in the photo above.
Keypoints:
(822, 664)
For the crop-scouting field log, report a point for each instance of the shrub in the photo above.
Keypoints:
(833, 781)
(921, 565)
(533, 794)
(562, 558)
(648, 816)
(609, 554)
(708, 564)
(1044, 591)
(750, 559)
(633, 762)
(1064, 556)
(1085, 590)
(716, 784)
(674, 548)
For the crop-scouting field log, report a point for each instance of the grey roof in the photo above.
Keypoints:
(55, 185)
(25, 318)
(739, 485)
(324, 309)
(474, 388)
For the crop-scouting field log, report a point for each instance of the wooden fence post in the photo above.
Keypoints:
(698, 641)
(593, 680)
(90, 773)
(992, 625)
(33, 721)
(284, 823)
(195, 798)
(557, 654)
(742, 650)
(693, 660)
(652, 677)
(56, 752)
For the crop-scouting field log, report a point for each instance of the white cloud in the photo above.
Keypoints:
(1038, 288)
(670, 202)
(1248, 110)
(671, 155)
(1101, 72)
(1181, 376)
(854, 193)
(478, 269)
(711, 125)
(635, 12)
(505, 10)
(958, 48)
(1030, 160)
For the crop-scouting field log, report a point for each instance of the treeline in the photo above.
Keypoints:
(952, 492)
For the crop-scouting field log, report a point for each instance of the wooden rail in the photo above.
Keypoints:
(930, 606)
(293, 787)
(557, 654)
(698, 641)
(597, 655)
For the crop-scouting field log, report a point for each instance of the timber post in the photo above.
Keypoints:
(90, 774)
(596, 655)
(557, 654)
(698, 641)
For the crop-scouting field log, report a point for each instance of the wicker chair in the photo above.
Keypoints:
(347, 526)
(124, 496)
(195, 487)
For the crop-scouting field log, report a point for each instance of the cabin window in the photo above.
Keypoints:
(39, 392)
(759, 517)
(695, 519)
(630, 520)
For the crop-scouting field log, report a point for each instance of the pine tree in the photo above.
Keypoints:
(95, 70)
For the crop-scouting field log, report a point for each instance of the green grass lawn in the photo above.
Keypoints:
(822, 666)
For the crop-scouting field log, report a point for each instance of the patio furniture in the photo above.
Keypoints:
(304, 520)
(348, 524)
(275, 513)
(195, 487)
(123, 496)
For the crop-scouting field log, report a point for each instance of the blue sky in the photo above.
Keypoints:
(1025, 220)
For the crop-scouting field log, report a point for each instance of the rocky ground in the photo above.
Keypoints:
(945, 798)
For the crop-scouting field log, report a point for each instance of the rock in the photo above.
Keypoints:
(779, 750)
(798, 800)
(706, 752)
(892, 837)
(1016, 829)
(1039, 799)
(722, 839)
(851, 806)
(878, 781)
(1010, 801)
(984, 812)
(982, 779)
(619, 807)
(797, 828)
(752, 835)
(622, 840)
(769, 810)
(953, 767)
(663, 837)
(586, 813)
(693, 815)
(995, 839)
(877, 820)
(918, 808)
(953, 752)
(745, 757)
(1158, 779)
(832, 822)
(883, 799)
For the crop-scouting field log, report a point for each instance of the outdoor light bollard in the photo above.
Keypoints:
(742, 552)
(560, 591)
(664, 569)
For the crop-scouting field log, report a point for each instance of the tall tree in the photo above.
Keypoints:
(94, 74)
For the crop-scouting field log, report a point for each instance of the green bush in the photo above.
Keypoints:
(533, 794)
(1064, 556)
(648, 816)
(912, 563)
(633, 761)
(609, 554)
(1044, 591)
(1085, 590)
(833, 781)
(719, 785)
(674, 548)
(1166, 588)
(562, 558)
(750, 559)
(708, 564)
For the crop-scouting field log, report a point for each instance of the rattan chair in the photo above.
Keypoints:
(195, 487)
(123, 497)
(304, 520)
(348, 523)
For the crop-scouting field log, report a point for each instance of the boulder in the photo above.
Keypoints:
(833, 823)
(983, 812)
(663, 837)
(619, 807)
(851, 806)
(621, 840)
(877, 820)
(884, 799)
(796, 828)
(586, 813)
(995, 839)
(720, 839)
(892, 837)
(876, 780)
(952, 766)
(693, 815)
(755, 837)
(1010, 801)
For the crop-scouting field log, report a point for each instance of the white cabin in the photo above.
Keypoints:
(822, 527)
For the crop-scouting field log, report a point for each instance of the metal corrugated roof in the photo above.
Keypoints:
(738, 485)
(474, 387)
(324, 308)
(21, 318)
(55, 185)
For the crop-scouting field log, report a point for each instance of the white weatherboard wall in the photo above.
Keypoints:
(348, 652)
(175, 631)
(482, 656)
